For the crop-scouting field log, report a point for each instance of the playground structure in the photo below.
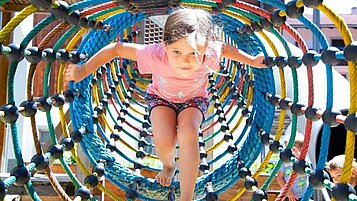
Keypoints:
(107, 106)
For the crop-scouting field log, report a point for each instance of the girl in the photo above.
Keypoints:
(335, 167)
(301, 183)
(177, 98)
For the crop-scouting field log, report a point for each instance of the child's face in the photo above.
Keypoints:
(335, 174)
(183, 57)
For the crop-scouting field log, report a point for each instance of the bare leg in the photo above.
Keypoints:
(163, 120)
(188, 122)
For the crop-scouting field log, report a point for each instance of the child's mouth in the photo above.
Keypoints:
(185, 68)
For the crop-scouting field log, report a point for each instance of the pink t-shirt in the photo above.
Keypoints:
(167, 83)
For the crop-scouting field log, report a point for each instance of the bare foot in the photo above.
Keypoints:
(165, 176)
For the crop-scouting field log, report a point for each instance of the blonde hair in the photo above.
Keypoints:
(299, 139)
(337, 163)
(195, 24)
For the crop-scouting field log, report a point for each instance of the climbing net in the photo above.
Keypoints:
(107, 107)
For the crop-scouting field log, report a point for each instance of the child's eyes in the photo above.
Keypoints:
(176, 52)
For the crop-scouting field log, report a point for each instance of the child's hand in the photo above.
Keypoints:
(291, 196)
(259, 61)
(75, 72)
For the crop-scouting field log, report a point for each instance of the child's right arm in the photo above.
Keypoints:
(280, 179)
(76, 72)
(231, 52)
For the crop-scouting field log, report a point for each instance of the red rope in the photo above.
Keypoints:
(308, 127)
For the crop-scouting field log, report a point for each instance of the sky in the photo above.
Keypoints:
(338, 6)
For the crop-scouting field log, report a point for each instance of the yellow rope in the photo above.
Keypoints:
(14, 22)
(121, 92)
(96, 100)
(95, 93)
(112, 69)
(210, 149)
(242, 189)
(197, 6)
(140, 85)
(249, 100)
(218, 144)
(282, 114)
(103, 117)
(223, 97)
(350, 140)
(122, 99)
(62, 65)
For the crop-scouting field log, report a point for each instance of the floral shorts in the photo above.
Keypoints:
(200, 103)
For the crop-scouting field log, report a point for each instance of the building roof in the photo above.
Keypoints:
(18, 5)
(350, 19)
(325, 22)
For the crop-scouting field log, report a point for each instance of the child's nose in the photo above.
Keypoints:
(186, 59)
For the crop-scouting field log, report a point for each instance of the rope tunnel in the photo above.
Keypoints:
(108, 117)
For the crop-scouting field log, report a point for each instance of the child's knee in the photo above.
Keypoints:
(187, 127)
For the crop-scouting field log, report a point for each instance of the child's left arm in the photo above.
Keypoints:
(233, 53)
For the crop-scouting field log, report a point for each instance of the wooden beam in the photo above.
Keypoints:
(58, 131)
(42, 185)
(4, 67)
(9, 7)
